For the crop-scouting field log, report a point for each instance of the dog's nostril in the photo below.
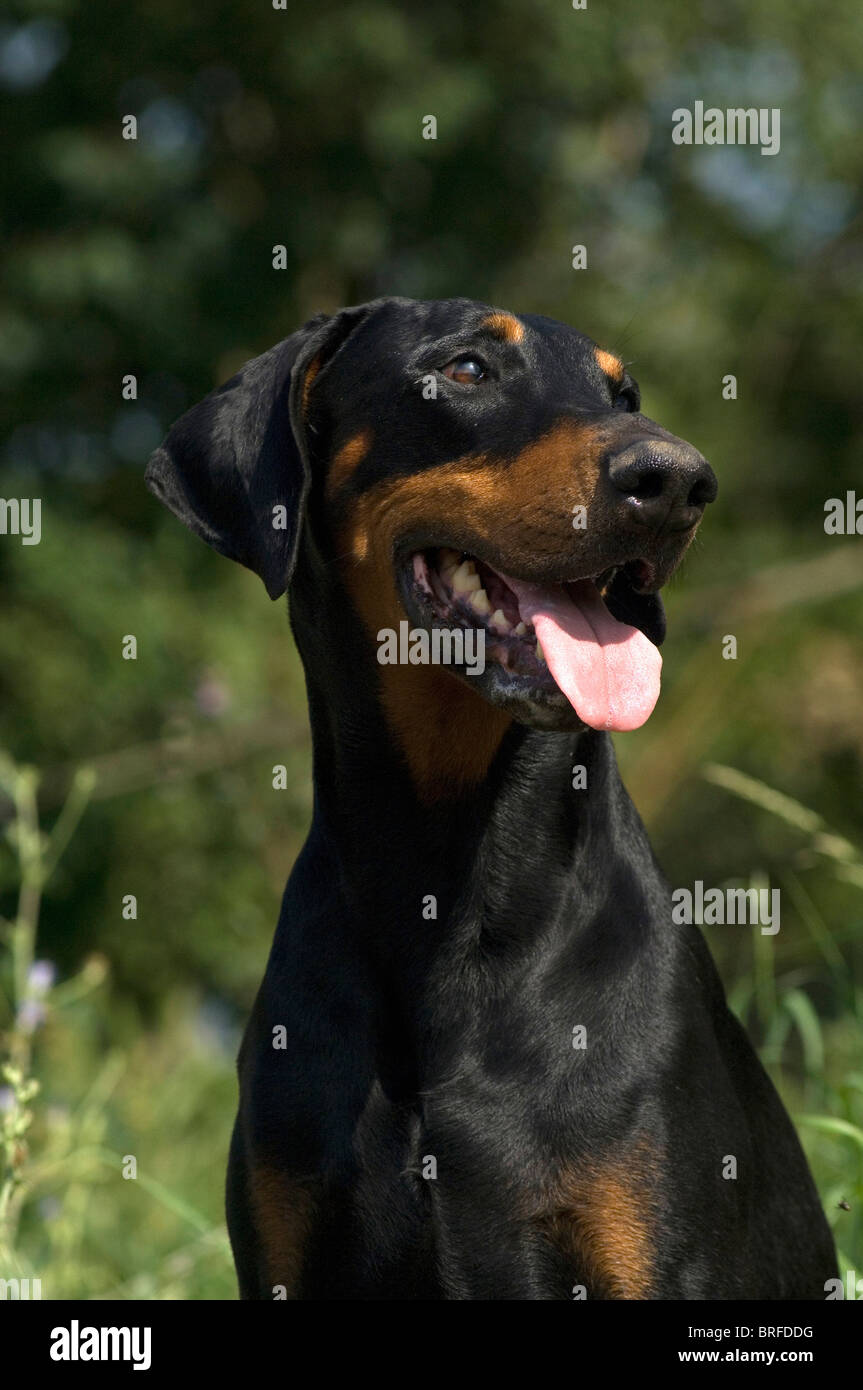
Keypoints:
(644, 480)
(645, 485)
(704, 489)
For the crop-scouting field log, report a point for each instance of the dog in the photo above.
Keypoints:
(484, 1062)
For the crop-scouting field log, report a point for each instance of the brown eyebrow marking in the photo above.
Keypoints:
(505, 326)
(611, 365)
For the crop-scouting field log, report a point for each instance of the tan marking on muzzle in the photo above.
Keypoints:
(522, 506)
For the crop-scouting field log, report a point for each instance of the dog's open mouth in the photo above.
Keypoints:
(592, 640)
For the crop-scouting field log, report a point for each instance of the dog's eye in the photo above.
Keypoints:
(626, 399)
(467, 371)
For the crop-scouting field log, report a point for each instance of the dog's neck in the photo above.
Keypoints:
(545, 803)
(426, 867)
(475, 898)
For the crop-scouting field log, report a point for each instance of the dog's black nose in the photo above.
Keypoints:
(663, 482)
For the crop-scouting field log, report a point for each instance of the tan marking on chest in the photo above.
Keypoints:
(284, 1212)
(604, 1217)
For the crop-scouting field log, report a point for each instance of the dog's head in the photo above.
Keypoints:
(461, 468)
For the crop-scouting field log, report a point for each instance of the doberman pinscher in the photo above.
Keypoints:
(484, 1063)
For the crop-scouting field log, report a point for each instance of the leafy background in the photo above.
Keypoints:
(302, 127)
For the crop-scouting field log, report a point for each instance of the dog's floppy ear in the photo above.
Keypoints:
(242, 451)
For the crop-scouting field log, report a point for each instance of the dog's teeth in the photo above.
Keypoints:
(540, 656)
(520, 630)
(479, 602)
(465, 579)
(498, 620)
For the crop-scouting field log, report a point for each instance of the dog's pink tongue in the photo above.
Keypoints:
(607, 670)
